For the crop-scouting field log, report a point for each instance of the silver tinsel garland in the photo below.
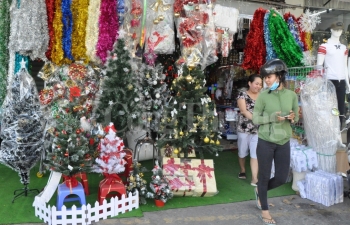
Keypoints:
(29, 30)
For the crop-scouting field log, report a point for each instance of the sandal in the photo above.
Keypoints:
(242, 176)
(257, 199)
(267, 221)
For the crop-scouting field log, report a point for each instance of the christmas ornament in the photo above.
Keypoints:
(66, 154)
(156, 21)
(189, 78)
(181, 133)
(309, 20)
(46, 96)
(176, 151)
(130, 87)
(161, 17)
(177, 14)
(206, 140)
(78, 131)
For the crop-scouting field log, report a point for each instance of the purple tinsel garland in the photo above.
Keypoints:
(108, 28)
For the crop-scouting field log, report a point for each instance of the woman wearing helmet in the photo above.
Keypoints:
(275, 109)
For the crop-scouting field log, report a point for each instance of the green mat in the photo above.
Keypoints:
(231, 189)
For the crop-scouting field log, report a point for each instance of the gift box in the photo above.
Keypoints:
(181, 186)
(204, 177)
(171, 167)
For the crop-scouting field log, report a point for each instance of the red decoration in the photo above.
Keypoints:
(46, 96)
(77, 71)
(59, 90)
(255, 51)
(50, 11)
(110, 126)
(91, 141)
(74, 92)
(78, 131)
(66, 154)
(170, 166)
(179, 4)
(70, 181)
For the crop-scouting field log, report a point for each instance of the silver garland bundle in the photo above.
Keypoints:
(318, 98)
(21, 128)
(29, 30)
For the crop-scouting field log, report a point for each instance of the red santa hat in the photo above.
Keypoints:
(110, 126)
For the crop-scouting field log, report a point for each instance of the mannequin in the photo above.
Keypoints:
(334, 57)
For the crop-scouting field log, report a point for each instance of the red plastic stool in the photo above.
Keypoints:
(112, 182)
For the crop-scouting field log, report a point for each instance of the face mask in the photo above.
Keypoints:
(274, 86)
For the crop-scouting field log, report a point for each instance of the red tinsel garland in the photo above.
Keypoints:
(255, 50)
(302, 36)
(50, 9)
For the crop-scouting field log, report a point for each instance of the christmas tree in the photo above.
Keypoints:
(159, 185)
(21, 128)
(70, 153)
(111, 153)
(120, 97)
(190, 121)
(137, 183)
(154, 92)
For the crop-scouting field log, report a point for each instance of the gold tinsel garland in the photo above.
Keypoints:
(92, 30)
(57, 54)
(308, 41)
(80, 15)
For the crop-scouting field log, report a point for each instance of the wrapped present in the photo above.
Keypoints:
(181, 186)
(303, 159)
(171, 167)
(204, 177)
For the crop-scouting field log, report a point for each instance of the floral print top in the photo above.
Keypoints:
(244, 124)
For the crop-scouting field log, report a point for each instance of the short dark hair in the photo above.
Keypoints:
(252, 78)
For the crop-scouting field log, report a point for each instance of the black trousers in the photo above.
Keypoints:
(266, 152)
(340, 89)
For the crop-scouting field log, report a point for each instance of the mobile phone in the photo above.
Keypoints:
(286, 116)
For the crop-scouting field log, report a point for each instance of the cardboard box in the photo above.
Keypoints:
(342, 161)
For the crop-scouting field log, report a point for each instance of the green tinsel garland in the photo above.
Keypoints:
(283, 42)
(4, 38)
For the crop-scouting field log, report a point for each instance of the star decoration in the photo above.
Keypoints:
(23, 64)
(121, 33)
(150, 57)
(133, 116)
(110, 102)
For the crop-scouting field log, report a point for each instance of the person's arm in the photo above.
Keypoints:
(260, 116)
(243, 109)
(321, 54)
(347, 59)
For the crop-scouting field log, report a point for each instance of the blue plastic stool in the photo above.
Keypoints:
(63, 192)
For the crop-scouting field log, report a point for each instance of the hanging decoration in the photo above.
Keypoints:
(108, 27)
(308, 21)
(20, 59)
(67, 20)
(255, 52)
(270, 52)
(57, 54)
(150, 57)
(293, 28)
(50, 9)
(80, 15)
(4, 53)
(92, 29)
(121, 11)
(283, 42)
(28, 28)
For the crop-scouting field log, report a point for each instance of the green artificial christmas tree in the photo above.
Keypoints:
(70, 153)
(189, 121)
(119, 99)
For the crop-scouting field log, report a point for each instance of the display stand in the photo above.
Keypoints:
(24, 192)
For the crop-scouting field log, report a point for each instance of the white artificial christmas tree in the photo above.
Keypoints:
(111, 159)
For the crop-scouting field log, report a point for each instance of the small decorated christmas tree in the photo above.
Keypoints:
(137, 183)
(111, 153)
(119, 98)
(159, 185)
(190, 118)
(71, 153)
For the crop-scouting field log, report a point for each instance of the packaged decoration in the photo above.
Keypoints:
(160, 36)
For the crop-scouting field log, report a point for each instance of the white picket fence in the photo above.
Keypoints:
(86, 214)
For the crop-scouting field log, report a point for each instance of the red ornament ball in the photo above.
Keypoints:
(78, 131)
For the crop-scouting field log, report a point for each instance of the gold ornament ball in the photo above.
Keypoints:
(191, 66)
(206, 140)
(149, 118)
(212, 142)
(217, 142)
(155, 21)
(130, 87)
(177, 14)
(161, 17)
(181, 133)
(176, 151)
(189, 78)
(147, 75)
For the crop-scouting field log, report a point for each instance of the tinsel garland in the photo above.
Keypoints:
(4, 53)
(108, 28)
(302, 35)
(270, 52)
(57, 51)
(283, 42)
(80, 15)
(255, 52)
(92, 29)
(121, 11)
(28, 28)
(50, 9)
(308, 41)
(293, 31)
(67, 20)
